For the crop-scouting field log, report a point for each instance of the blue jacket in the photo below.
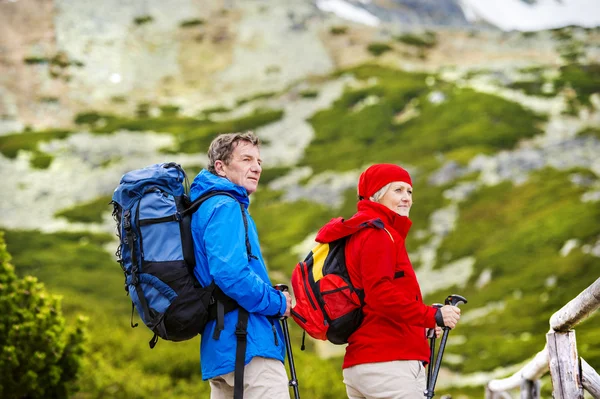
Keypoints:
(219, 242)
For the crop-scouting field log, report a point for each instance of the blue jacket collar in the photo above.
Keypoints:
(206, 182)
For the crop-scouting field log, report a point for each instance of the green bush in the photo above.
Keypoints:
(40, 357)
(426, 40)
(189, 23)
(338, 30)
(590, 131)
(144, 19)
(41, 160)
(89, 212)
(584, 79)
(378, 49)
(309, 94)
(11, 144)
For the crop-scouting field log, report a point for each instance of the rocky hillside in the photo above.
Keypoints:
(500, 131)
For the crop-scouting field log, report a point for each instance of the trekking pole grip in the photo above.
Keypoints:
(281, 287)
(455, 300)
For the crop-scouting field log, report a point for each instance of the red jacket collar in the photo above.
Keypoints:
(369, 214)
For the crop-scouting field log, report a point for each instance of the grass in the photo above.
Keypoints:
(259, 96)
(425, 41)
(40, 160)
(89, 212)
(338, 30)
(142, 20)
(378, 49)
(583, 78)
(11, 144)
(517, 233)
(75, 266)
(590, 132)
(466, 119)
(282, 225)
(531, 87)
(190, 23)
(192, 135)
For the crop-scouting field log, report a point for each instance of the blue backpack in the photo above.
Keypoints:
(156, 252)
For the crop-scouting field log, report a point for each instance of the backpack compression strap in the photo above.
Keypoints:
(135, 267)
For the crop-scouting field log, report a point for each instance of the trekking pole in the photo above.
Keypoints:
(453, 300)
(288, 347)
(431, 336)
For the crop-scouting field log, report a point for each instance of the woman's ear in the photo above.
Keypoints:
(219, 168)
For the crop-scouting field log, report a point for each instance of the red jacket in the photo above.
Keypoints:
(395, 315)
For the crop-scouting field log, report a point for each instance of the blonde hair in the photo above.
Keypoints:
(380, 193)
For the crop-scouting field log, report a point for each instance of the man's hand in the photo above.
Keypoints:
(288, 307)
(450, 315)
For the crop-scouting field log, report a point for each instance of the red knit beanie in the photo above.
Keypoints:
(377, 176)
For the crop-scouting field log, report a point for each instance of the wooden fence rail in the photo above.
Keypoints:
(570, 374)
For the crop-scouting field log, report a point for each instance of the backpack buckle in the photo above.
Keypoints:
(240, 332)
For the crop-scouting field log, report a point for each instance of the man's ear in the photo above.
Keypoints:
(219, 168)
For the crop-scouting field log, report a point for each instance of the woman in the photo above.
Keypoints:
(385, 357)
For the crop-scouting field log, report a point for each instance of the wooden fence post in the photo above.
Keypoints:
(564, 366)
(530, 389)
(590, 379)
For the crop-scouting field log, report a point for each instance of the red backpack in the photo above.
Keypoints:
(328, 307)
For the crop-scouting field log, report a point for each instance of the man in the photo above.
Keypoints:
(228, 253)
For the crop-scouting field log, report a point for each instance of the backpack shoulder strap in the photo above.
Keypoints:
(200, 200)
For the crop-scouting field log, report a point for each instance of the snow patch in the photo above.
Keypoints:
(348, 11)
(544, 14)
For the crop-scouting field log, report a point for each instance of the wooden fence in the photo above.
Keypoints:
(569, 373)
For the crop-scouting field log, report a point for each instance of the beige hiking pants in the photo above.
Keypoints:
(404, 379)
(263, 379)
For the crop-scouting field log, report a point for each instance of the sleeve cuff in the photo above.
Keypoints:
(439, 319)
(282, 304)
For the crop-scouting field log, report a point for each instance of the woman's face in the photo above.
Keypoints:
(398, 198)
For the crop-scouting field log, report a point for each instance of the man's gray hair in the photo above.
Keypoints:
(222, 147)
(380, 193)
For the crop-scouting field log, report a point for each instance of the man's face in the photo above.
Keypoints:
(244, 167)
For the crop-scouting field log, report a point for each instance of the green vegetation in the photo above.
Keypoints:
(11, 144)
(465, 119)
(517, 233)
(531, 87)
(169, 110)
(191, 134)
(118, 363)
(514, 232)
(35, 60)
(270, 174)
(144, 19)
(338, 30)
(190, 23)
(584, 79)
(198, 139)
(309, 94)
(427, 40)
(41, 355)
(284, 224)
(378, 49)
(89, 212)
(215, 110)
(590, 131)
(259, 96)
(41, 160)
